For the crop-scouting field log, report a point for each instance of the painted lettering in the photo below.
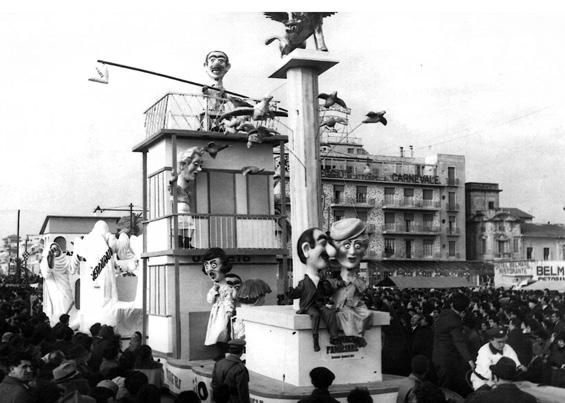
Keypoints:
(173, 379)
(344, 348)
(101, 264)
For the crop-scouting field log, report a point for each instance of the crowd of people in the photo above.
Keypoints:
(440, 340)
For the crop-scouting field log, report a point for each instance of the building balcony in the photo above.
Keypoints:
(503, 255)
(344, 174)
(391, 255)
(360, 201)
(198, 112)
(186, 234)
(452, 181)
(411, 204)
(452, 207)
(453, 231)
(413, 229)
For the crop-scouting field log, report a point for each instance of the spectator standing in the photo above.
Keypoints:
(321, 378)
(451, 357)
(14, 387)
(231, 371)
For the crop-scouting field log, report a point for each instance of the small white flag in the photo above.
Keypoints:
(101, 75)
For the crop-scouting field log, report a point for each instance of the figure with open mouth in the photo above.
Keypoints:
(351, 241)
(222, 297)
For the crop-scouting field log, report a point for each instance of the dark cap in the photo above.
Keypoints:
(505, 368)
(496, 333)
(347, 228)
(322, 377)
(236, 346)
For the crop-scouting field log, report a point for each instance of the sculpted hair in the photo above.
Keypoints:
(307, 236)
(216, 51)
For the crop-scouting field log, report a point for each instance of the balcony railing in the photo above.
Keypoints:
(452, 206)
(506, 255)
(358, 201)
(410, 229)
(203, 231)
(176, 111)
(452, 181)
(453, 231)
(409, 202)
(404, 255)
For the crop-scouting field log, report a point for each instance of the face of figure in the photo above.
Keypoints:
(351, 251)
(22, 372)
(561, 343)
(318, 256)
(55, 249)
(213, 269)
(191, 167)
(498, 343)
(217, 65)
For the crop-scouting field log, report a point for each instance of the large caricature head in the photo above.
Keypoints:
(217, 64)
(314, 249)
(234, 282)
(351, 241)
(190, 163)
(215, 264)
(58, 246)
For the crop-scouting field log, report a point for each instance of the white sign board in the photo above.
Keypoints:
(530, 274)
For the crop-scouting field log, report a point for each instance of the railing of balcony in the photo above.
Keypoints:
(410, 228)
(453, 206)
(199, 112)
(414, 255)
(453, 181)
(410, 202)
(503, 255)
(453, 231)
(202, 231)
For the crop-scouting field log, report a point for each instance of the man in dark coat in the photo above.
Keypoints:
(321, 378)
(504, 391)
(314, 291)
(231, 374)
(14, 387)
(451, 357)
(519, 341)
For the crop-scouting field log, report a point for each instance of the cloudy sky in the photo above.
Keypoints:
(483, 82)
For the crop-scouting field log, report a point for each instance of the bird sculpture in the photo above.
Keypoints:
(234, 124)
(239, 103)
(260, 111)
(332, 121)
(251, 170)
(258, 134)
(213, 149)
(332, 99)
(376, 117)
(299, 26)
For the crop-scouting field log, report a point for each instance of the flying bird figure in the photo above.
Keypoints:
(103, 76)
(332, 99)
(259, 134)
(332, 121)
(234, 124)
(299, 26)
(213, 149)
(251, 170)
(239, 103)
(376, 117)
(260, 111)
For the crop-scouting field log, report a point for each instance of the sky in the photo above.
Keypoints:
(482, 81)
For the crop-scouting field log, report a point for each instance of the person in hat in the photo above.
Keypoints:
(504, 372)
(321, 379)
(489, 354)
(314, 291)
(350, 239)
(222, 297)
(69, 378)
(231, 373)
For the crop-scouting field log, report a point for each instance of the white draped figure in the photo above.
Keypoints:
(57, 292)
(99, 293)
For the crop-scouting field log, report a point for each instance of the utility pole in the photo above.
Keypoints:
(18, 268)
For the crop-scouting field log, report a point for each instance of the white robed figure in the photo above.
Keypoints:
(99, 293)
(57, 292)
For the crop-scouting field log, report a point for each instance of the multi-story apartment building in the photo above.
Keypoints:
(497, 233)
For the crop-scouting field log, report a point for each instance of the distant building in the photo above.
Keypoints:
(507, 233)
(71, 227)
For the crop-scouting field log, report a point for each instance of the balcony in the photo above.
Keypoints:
(452, 181)
(503, 255)
(343, 174)
(452, 207)
(409, 203)
(413, 229)
(413, 256)
(198, 112)
(453, 231)
(360, 201)
(195, 232)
